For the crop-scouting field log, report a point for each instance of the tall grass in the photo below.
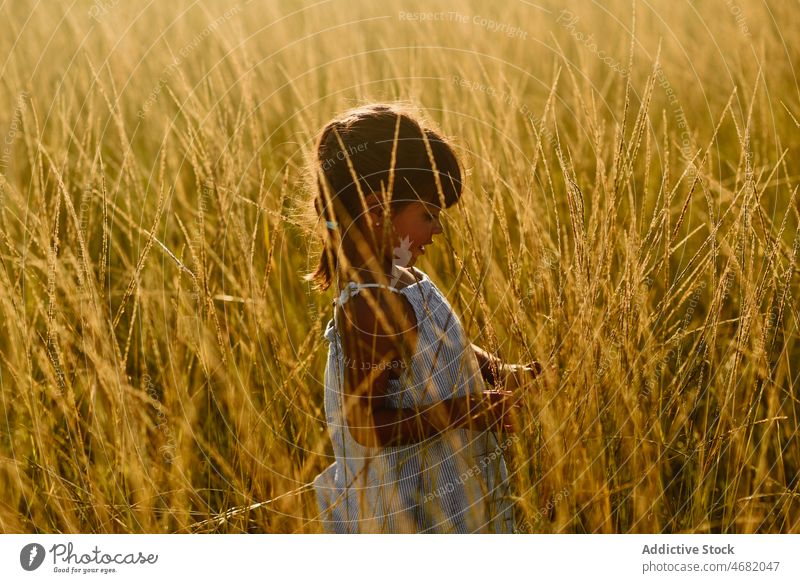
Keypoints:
(161, 361)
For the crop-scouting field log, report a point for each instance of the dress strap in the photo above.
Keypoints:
(354, 288)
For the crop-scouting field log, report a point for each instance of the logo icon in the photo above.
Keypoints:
(402, 255)
(31, 556)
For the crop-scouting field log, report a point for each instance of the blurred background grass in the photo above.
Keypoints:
(630, 218)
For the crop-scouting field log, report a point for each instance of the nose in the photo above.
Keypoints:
(437, 226)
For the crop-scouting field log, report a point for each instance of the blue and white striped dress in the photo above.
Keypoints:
(455, 482)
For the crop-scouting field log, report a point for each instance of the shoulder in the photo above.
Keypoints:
(381, 319)
(380, 311)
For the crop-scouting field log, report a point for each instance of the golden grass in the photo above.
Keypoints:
(161, 360)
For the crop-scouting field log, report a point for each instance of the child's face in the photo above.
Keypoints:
(419, 222)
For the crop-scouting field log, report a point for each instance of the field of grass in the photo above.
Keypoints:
(631, 219)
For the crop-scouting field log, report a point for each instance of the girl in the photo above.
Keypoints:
(417, 438)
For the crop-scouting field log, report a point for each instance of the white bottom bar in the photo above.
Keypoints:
(390, 558)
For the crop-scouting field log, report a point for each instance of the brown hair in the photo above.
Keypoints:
(380, 149)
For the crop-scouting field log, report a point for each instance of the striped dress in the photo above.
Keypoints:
(455, 482)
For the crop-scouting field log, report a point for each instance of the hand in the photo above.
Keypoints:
(518, 375)
(502, 410)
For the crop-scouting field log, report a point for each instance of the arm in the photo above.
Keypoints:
(374, 348)
(491, 366)
(495, 371)
(380, 426)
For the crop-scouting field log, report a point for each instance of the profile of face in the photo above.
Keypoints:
(412, 229)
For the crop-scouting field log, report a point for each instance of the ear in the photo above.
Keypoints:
(376, 212)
